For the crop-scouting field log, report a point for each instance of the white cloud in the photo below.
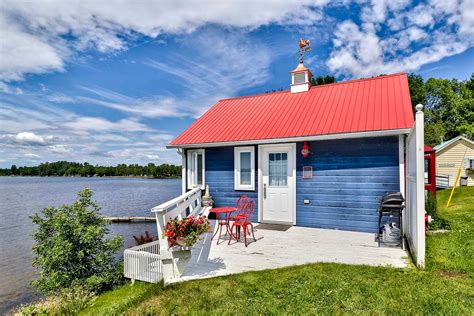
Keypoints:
(224, 62)
(56, 134)
(101, 124)
(143, 154)
(377, 11)
(22, 52)
(410, 42)
(159, 107)
(31, 156)
(421, 15)
(10, 90)
(28, 138)
(465, 18)
(161, 137)
(152, 157)
(59, 149)
(32, 34)
(60, 98)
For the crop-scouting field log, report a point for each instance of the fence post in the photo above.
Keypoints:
(166, 256)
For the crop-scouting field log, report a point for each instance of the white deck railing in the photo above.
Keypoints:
(143, 262)
(177, 208)
(153, 261)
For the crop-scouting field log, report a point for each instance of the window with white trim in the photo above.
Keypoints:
(196, 168)
(244, 168)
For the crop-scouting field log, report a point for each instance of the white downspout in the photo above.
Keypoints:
(180, 151)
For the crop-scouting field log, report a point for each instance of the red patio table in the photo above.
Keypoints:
(222, 216)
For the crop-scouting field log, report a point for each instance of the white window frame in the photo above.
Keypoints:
(192, 166)
(237, 184)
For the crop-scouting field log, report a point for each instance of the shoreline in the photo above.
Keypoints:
(55, 176)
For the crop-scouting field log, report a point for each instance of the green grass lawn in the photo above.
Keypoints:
(454, 252)
(445, 287)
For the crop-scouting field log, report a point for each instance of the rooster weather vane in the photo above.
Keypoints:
(305, 46)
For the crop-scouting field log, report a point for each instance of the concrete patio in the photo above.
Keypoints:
(295, 246)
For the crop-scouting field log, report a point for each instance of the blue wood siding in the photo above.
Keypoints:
(220, 178)
(349, 178)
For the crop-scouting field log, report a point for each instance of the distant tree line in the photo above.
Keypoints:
(66, 168)
(448, 106)
(320, 80)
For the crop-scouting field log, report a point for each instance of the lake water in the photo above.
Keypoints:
(21, 197)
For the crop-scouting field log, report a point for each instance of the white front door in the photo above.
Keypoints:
(278, 183)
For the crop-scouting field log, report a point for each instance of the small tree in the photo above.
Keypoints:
(71, 248)
(431, 205)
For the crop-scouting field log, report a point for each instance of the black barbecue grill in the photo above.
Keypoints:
(391, 203)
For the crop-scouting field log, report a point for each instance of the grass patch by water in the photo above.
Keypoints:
(444, 287)
(123, 298)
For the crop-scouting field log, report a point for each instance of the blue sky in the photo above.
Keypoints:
(114, 81)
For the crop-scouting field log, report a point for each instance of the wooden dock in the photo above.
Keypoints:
(131, 219)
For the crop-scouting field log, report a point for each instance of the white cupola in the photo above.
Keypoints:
(300, 78)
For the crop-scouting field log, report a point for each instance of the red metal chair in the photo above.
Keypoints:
(244, 222)
(241, 201)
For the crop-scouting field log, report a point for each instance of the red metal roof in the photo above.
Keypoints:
(374, 104)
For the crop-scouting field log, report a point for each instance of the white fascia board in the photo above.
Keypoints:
(390, 132)
(451, 141)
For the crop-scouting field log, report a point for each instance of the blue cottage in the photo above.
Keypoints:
(316, 156)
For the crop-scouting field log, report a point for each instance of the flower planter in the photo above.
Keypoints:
(179, 252)
(181, 235)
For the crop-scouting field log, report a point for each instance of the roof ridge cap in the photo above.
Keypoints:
(312, 87)
(254, 95)
(360, 79)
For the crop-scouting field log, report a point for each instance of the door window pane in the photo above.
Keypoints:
(199, 169)
(245, 168)
(277, 169)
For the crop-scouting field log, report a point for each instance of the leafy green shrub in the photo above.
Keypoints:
(432, 209)
(69, 302)
(439, 223)
(431, 204)
(75, 299)
(71, 248)
(34, 309)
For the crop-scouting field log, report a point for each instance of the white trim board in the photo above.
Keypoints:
(391, 132)
(401, 163)
(237, 168)
(189, 168)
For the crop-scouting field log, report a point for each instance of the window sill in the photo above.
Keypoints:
(244, 188)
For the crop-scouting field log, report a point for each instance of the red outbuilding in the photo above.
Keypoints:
(430, 169)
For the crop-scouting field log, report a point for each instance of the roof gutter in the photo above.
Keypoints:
(381, 133)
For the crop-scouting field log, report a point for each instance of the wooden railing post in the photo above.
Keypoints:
(166, 257)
